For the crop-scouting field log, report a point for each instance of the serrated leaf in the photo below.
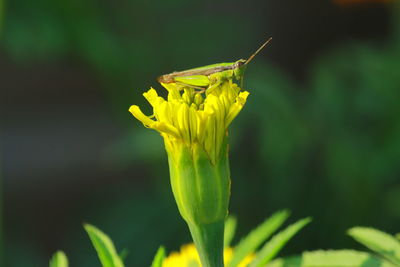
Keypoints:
(230, 229)
(271, 249)
(256, 237)
(382, 243)
(332, 258)
(59, 259)
(104, 246)
(159, 257)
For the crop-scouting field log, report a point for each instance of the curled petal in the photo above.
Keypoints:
(156, 125)
(236, 107)
(138, 114)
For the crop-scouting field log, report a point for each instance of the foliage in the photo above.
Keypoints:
(59, 259)
(109, 257)
(248, 246)
(331, 258)
(271, 249)
(385, 245)
(159, 257)
(104, 247)
(230, 228)
(257, 236)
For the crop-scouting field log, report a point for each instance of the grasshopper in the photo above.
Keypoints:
(210, 75)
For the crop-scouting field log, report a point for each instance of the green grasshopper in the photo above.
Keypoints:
(210, 75)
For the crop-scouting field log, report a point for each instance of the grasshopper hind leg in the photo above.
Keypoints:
(199, 89)
(183, 85)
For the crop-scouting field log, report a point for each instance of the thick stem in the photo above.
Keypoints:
(209, 241)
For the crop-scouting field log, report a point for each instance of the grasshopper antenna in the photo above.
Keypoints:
(258, 50)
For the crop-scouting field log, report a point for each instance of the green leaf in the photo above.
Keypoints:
(254, 239)
(105, 248)
(230, 228)
(382, 243)
(59, 259)
(272, 248)
(331, 258)
(159, 257)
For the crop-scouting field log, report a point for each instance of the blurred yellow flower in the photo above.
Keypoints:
(188, 257)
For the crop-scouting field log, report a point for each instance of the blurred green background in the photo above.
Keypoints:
(320, 134)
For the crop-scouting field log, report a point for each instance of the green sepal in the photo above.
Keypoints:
(201, 188)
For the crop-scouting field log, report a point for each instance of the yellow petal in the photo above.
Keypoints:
(236, 107)
(138, 114)
(166, 128)
(193, 122)
(183, 121)
(153, 97)
(159, 126)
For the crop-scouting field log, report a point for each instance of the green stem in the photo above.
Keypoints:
(209, 241)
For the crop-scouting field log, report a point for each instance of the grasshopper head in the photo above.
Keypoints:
(240, 66)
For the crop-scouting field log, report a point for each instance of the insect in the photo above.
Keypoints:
(210, 75)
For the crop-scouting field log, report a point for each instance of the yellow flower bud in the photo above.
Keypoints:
(194, 127)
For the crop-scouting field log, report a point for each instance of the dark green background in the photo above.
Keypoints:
(320, 134)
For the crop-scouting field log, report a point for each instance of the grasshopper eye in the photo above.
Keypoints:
(240, 63)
